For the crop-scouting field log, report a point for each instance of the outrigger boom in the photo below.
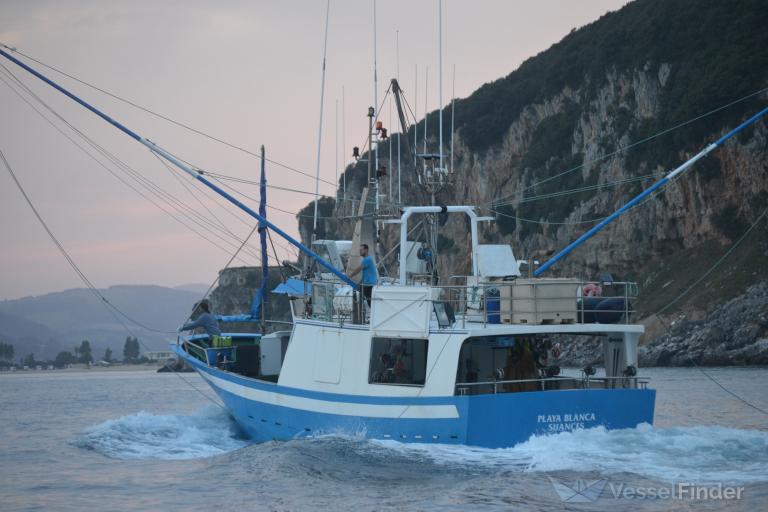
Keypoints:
(198, 174)
(645, 193)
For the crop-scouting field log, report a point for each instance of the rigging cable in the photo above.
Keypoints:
(699, 280)
(66, 255)
(163, 117)
(569, 223)
(637, 143)
(233, 146)
(116, 312)
(231, 259)
(130, 172)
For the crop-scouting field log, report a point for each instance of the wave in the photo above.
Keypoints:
(145, 435)
(692, 454)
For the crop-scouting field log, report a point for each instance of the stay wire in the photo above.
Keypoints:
(589, 221)
(181, 182)
(716, 264)
(378, 111)
(628, 146)
(231, 259)
(116, 312)
(141, 180)
(691, 287)
(576, 190)
(164, 117)
(210, 212)
(246, 181)
(283, 277)
(67, 256)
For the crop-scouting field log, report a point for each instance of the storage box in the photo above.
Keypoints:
(539, 301)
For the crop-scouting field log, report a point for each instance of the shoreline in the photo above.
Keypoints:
(92, 369)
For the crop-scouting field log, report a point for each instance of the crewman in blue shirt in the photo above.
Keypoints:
(206, 320)
(370, 275)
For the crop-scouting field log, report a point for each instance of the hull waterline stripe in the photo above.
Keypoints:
(338, 408)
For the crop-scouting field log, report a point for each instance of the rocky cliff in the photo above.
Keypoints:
(581, 128)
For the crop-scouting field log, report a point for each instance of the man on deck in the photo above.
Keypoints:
(370, 275)
(206, 320)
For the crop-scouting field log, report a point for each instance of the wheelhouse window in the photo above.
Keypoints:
(501, 358)
(398, 361)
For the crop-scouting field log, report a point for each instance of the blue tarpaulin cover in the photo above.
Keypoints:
(237, 318)
(293, 287)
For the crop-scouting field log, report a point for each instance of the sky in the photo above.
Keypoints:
(246, 72)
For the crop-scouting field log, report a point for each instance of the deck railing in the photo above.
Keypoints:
(550, 384)
(521, 301)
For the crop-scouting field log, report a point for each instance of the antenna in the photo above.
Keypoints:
(397, 54)
(440, 81)
(376, 113)
(426, 108)
(336, 148)
(320, 129)
(415, 114)
(390, 150)
(453, 112)
(344, 141)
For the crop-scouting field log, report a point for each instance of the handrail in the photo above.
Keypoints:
(545, 379)
(583, 382)
(530, 304)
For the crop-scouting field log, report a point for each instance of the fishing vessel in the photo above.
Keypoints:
(468, 359)
(470, 362)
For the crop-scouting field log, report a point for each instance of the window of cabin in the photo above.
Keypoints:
(486, 359)
(398, 361)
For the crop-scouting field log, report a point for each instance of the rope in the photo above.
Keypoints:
(111, 308)
(216, 280)
(144, 182)
(590, 221)
(685, 292)
(637, 143)
(163, 117)
(577, 190)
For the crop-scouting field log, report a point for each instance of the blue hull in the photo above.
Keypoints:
(491, 420)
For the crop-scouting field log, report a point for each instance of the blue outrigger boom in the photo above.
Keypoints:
(645, 193)
(198, 174)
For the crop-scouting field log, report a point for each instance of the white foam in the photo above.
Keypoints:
(692, 454)
(153, 436)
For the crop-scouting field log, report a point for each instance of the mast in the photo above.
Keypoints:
(376, 111)
(195, 173)
(344, 143)
(415, 116)
(262, 296)
(389, 174)
(320, 129)
(336, 150)
(397, 60)
(426, 111)
(453, 112)
(440, 81)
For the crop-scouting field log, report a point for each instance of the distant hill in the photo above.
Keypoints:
(58, 321)
(29, 337)
(199, 288)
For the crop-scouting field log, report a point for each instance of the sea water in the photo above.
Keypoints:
(137, 440)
